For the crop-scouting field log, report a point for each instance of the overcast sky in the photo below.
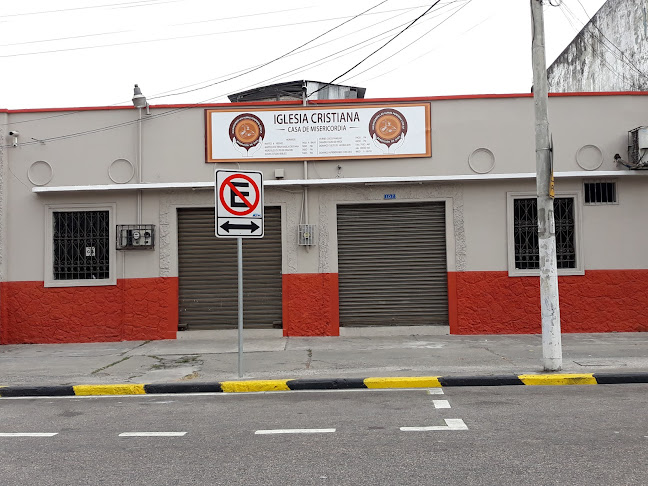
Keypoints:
(73, 53)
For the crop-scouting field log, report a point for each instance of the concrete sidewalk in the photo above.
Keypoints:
(211, 356)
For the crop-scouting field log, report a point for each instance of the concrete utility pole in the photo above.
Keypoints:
(550, 307)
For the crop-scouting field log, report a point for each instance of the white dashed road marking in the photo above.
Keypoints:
(441, 403)
(152, 434)
(28, 434)
(451, 424)
(294, 431)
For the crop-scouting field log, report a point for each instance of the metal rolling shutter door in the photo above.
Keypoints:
(207, 268)
(392, 264)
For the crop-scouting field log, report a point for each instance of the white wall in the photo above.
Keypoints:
(609, 54)
(174, 151)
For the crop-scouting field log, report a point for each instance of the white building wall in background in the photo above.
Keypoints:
(609, 54)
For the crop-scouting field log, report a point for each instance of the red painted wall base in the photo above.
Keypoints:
(132, 310)
(599, 301)
(311, 304)
(478, 303)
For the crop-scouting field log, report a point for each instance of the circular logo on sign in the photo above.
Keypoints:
(388, 125)
(247, 130)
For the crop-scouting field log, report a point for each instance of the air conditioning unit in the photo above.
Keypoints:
(638, 147)
(135, 236)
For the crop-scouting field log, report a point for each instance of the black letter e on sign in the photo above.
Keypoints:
(233, 195)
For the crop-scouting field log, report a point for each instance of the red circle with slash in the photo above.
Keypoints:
(250, 206)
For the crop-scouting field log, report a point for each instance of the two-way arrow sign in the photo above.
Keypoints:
(239, 204)
(252, 227)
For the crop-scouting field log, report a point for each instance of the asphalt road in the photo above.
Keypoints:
(571, 435)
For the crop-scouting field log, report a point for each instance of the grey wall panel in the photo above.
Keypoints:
(392, 264)
(208, 273)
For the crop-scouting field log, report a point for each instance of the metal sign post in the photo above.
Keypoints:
(239, 214)
(239, 248)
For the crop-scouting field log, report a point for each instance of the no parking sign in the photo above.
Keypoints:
(239, 204)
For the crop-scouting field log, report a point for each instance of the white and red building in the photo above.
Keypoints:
(377, 212)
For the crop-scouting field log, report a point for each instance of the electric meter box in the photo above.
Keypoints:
(135, 236)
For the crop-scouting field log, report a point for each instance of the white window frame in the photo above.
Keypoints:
(580, 264)
(49, 280)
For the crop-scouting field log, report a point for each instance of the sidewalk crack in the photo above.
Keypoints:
(498, 355)
(109, 365)
(134, 348)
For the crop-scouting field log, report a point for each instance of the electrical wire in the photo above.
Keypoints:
(177, 110)
(330, 57)
(122, 124)
(288, 53)
(163, 94)
(336, 55)
(141, 3)
(257, 14)
(192, 36)
(302, 51)
(171, 92)
(596, 52)
(83, 36)
(283, 55)
(374, 52)
(456, 11)
(624, 58)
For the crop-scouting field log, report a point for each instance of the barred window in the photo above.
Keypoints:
(600, 193)
(525, 233)
(81, 245)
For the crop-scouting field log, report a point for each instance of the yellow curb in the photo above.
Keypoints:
(566, 379)
(403, 382)
(254, 386)
(87, 390)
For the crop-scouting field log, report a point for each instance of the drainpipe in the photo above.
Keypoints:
(304, 103)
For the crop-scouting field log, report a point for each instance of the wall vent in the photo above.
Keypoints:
(600, 192)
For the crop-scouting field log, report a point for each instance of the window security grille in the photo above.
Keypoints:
(81, 245)
(600, 193)
(525, 233)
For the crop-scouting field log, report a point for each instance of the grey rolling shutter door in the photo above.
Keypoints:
(207, 268)
(392, 264)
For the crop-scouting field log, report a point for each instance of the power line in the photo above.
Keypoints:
(624, 58)
(402, 10)
(64, 38)
(141, 3)
(170, 112)
(181, 37)
(177, 110)
(335, 55)
(330, 57)
(377, 50)
(272, 12)
(242, 70)
(171, 92)
(596, 52)
(286, 54)
(456, 11)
